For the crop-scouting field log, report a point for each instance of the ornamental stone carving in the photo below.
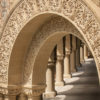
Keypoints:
(36, 90)
(74, 10)
(10, 90)
(3, 90)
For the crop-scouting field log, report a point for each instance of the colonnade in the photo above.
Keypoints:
(68, 54)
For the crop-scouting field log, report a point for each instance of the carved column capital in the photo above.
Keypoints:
(51, 64)
(67, 53)
(27, 91)
(36, 90)
(14, 90)
(60, 57)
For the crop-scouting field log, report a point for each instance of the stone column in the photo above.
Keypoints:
(78, 53)
(81, 53)
(85, 52)
(73, 55)
(67, 71)
(59, 64)
(50, 89)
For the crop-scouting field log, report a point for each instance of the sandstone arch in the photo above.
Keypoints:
(75, 11)
(41, 47)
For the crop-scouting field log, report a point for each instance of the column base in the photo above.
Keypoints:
(49, 94)
(59, 83)
(67, 76)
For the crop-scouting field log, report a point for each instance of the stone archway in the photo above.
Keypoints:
(41, 47)
(75, 11)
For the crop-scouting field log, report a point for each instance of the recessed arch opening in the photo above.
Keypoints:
(23, 42)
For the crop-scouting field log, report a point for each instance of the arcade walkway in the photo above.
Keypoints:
(82, 86)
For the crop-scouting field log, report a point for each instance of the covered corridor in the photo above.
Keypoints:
(83, 85)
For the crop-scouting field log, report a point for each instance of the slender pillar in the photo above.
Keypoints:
(50, 89)
(78, 53)
(85, 52)
(59, 65)
(67, 71)
(73, 55)
(81, 53)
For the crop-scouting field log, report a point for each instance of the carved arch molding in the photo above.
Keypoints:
(75, 11)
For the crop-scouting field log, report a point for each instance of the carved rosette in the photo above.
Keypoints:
(75, 10)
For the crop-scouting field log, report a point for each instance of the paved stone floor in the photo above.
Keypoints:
(82, 86)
